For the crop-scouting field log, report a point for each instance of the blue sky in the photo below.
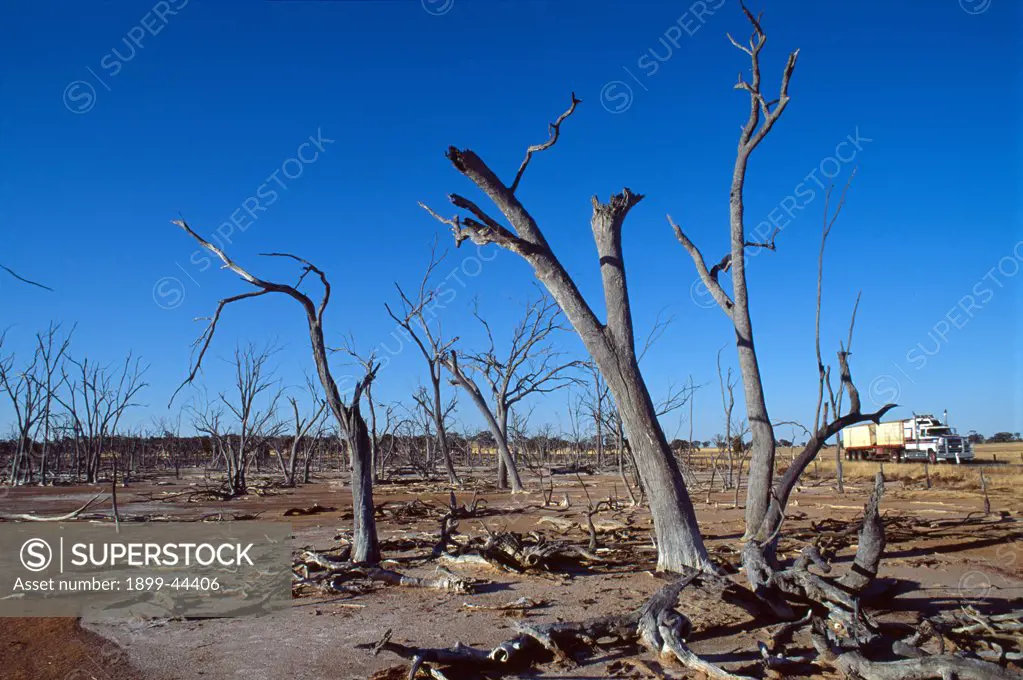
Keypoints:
(120, 116)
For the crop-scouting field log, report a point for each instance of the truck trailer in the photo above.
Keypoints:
(918, 438)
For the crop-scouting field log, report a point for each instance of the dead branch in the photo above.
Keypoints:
(25, 517)
(656, 624)
(555, 131)
(28, 281)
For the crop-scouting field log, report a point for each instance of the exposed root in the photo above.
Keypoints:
(338, 575)
(854, 664)
(656, 625)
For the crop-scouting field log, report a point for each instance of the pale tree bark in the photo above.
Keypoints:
(415, 316)
(736, 306)
(530, 366)
(367, 362)
(366, 547)
(302, 428)
(765, 500)
(610, 344)
(675, 398)
(497, 428)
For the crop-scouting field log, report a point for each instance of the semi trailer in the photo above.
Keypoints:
(918, 438)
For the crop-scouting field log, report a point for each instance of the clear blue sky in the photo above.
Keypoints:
(102, 149)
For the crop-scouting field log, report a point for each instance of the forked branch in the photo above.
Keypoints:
(555, 132)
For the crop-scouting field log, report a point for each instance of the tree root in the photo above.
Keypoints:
(842, 632)
(853, 664)
(509, 551)
(656, 625)
(337, 575)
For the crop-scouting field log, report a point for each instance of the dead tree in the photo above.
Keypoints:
(466, 382)
(611, 418)
(383, 437)
(26, 397)
(427, 408)
(531, 365)
(172, 444)
(254, 407)
(763, 115)
(208, 421)
(598, 402)
(302, 428)
(598, 405)
(95, 400)
(414, 317)
(51, 349)
(348, 416)
(727, 404)
(736, 306)
(611, 344)
(657, 625)
(367, 362)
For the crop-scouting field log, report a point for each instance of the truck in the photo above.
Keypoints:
(922, 437)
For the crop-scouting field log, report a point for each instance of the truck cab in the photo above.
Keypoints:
(927, 438)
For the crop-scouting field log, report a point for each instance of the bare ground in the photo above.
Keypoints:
(943, 551)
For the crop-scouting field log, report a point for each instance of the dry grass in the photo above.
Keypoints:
(1001, 464)
(1010, 452)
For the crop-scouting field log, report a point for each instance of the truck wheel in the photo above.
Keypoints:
(932, 456)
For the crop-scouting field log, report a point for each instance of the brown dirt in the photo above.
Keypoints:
(59, 649)
(315, 639)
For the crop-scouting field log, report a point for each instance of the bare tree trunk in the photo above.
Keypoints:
(502, 473)
(762, 118)
(611, 344)
(678, 545)
(366, 547)
(373, 440)
(839, 472)
(504, 455)
(438, 423)
(620, 453)
(760, 477)
(501, 416)
(349, 418)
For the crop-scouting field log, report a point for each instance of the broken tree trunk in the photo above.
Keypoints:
(657, 625)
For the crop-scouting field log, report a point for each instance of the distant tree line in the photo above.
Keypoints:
(997, 438)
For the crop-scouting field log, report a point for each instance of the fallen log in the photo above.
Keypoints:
(854, 664)
(444, 580)
(26, 517)
(656, 625)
